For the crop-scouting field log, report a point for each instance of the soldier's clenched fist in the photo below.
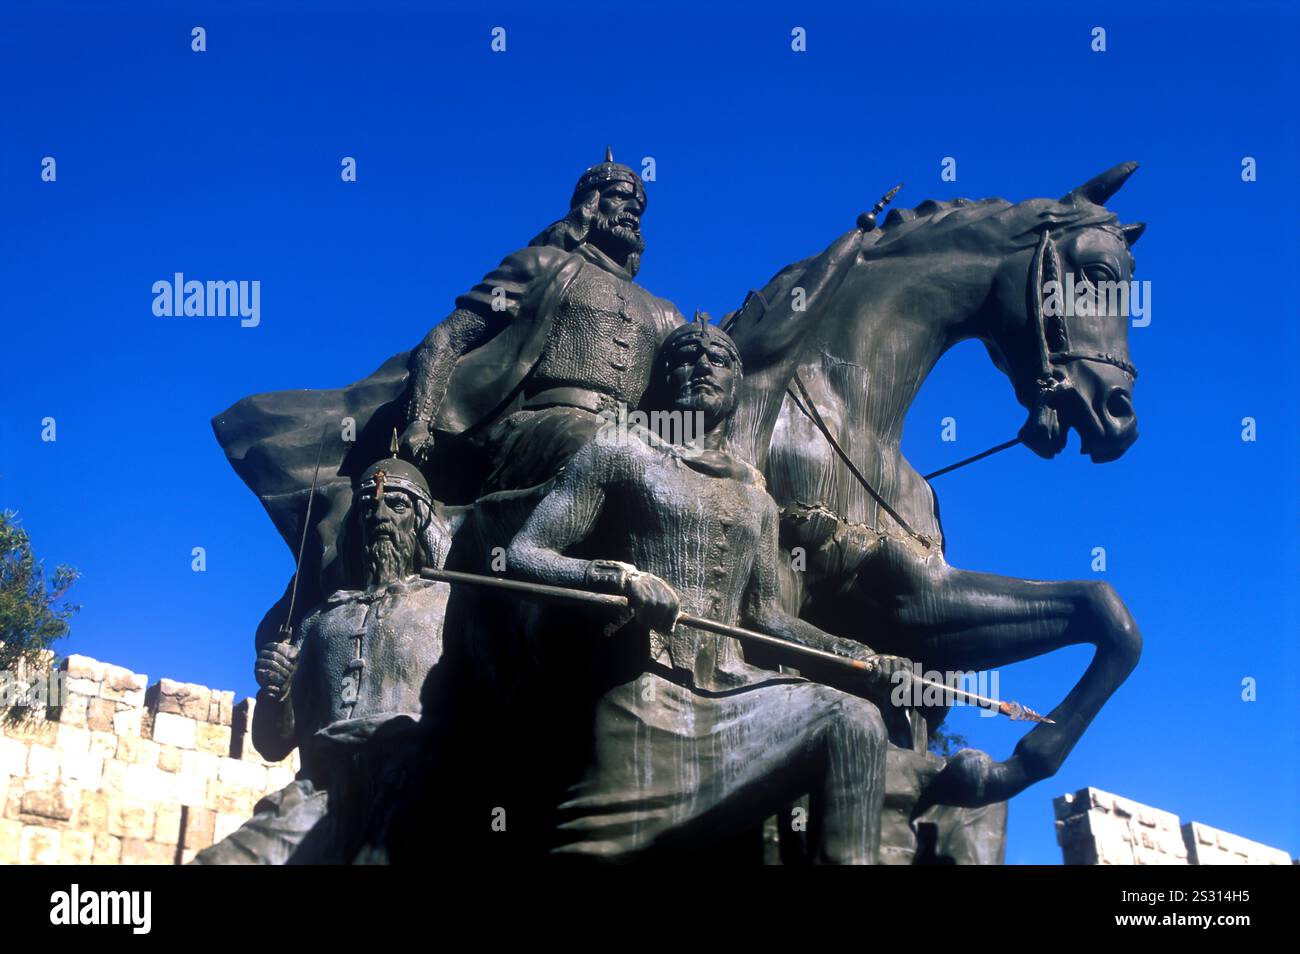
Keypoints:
(274, 667)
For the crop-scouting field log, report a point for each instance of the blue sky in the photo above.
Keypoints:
(225, 165)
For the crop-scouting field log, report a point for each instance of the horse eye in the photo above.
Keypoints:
(1098, 272)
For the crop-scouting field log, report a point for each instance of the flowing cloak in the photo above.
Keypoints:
(272, 440)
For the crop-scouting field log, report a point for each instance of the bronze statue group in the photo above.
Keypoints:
(456, 720)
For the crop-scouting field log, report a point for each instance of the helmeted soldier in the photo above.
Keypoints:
(689, 742)
(558, 333)
(340, 694)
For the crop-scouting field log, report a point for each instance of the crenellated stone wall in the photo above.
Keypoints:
(124, 772)
(1097, 828)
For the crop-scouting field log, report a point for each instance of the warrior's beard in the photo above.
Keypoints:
(388, 559)
(620, 242)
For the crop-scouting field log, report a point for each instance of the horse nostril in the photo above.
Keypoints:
(1119, 405)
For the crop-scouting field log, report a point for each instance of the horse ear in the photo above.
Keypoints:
(1100, 188)
(1133, 232)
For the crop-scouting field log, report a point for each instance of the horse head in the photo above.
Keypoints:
(1057, 318)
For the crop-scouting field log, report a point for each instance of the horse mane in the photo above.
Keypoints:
(994, 221)
(1019, 224)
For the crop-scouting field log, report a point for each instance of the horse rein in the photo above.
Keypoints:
(1046, 263)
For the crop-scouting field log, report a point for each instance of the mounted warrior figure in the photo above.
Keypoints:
(562, 331)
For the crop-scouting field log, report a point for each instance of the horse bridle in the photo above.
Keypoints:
(1052, 338)
(1051, 333)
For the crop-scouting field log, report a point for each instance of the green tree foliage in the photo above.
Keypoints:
(33, 609)
(947, 743)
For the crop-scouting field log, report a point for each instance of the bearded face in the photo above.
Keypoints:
(616, 223)
(389, 528)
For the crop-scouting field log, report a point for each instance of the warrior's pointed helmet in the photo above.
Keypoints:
(392, 472)
(699, 331)
(432, 529)
(603, 173)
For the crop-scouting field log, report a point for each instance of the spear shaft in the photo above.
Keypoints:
(544, 593)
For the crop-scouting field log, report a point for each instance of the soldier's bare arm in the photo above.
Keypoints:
(566, 516)
(275, 733)
(764, 612)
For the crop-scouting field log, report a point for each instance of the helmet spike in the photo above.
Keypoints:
(609, 154)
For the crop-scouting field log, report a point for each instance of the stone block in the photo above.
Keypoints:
(130, 819)
(149, 782)
(92, 812)
(13, 757)
(75, 711)
(103, 744)
(213, 738)
(225, 824)
(225, 798)
(38, 846)
(114, 778)
(138, 751)
(84, 687)
(42, 763)
(136, 851)
(1210, 846)
(11, 833)
(14, 799)
(200, 764)
(179, 698)
(86, 770)
(99, 714)
(71, 738)
(119, 679)
(200, 828)
(169, 758)
(239, 772)
(83, 667)
(133, 699)
(76, 847)
(167, 824)
(171, 729)
(54, 803)
(222, 707)
(191, 790)
(128, 721)
(108, 849)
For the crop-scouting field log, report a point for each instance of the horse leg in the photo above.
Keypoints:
(960, 620)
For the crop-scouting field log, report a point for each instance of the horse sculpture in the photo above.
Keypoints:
(930, 278)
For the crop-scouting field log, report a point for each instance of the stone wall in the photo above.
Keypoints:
(1097, 828)
(128, 773)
